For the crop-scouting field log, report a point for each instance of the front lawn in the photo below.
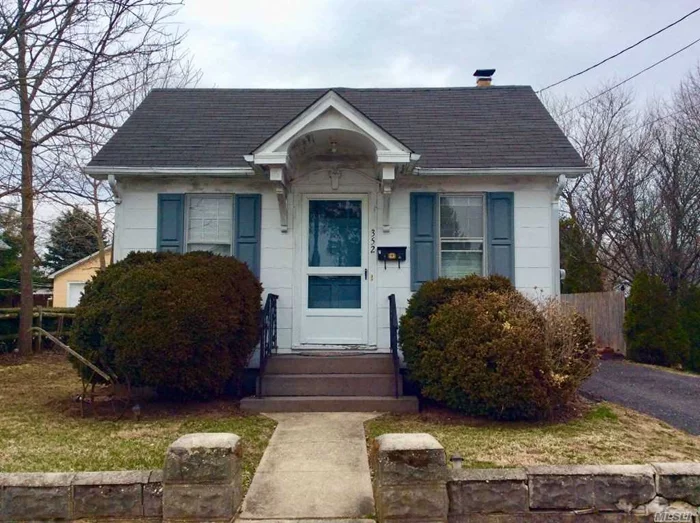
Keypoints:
(41, 428)
(604, 434)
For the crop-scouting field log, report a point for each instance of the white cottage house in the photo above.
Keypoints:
(338, 199)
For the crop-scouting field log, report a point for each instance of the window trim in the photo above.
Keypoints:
(484, 224)
(186, 233)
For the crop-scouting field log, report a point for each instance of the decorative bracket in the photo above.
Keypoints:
(387, 186)
(559, 188)
(277, 175)
(112, 181)
(388, 177)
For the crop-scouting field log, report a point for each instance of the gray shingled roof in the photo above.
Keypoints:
(468, 127)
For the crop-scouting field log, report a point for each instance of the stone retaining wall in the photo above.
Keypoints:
(411, 473)
(201, 481)
(134, 495)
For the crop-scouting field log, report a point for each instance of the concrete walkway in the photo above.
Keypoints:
(315, 468)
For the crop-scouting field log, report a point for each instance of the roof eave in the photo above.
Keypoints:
(101, 172)
(569, 172)
(76, 263)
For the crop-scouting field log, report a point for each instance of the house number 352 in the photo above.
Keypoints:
(373, 241)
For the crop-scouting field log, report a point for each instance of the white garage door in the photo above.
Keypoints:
(75, 291)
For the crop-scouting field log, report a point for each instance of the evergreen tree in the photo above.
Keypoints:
(577, 257)
(11, 236)
(72, 237)
(653, 324)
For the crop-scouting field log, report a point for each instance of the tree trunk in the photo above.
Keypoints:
(26, 310)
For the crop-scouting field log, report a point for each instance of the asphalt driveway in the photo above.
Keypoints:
(671, 397)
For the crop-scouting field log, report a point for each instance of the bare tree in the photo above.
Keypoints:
(67, 65)
(78, 190)
(640, 205)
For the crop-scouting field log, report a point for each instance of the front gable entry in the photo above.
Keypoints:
(331, 113)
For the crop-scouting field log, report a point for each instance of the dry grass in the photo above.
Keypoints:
(41, 428)
(604, 434)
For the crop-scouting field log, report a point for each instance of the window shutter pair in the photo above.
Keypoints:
(425, 237)
(246, 240)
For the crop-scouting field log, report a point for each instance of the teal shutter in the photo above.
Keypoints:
(501, 234)
(171, 222)
(247, 233)
(424, 242)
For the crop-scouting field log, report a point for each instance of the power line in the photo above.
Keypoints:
(632, 77)
(620, 52)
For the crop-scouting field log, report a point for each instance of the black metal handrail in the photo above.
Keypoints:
(268, 336)
(394, 341)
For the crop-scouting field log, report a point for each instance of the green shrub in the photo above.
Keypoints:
(478, 346)
(690, 321)
(652, 324)
(183, 324)
(431, 295)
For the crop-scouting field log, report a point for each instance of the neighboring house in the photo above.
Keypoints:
(310, 186)
(69, 282)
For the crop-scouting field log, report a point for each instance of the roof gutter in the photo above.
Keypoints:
(569, 172)
(103, 172)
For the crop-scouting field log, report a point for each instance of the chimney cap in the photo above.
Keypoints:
(482, 73)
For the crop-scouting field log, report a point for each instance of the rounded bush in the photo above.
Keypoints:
(431, 295)
(484, 349)
(183, 324)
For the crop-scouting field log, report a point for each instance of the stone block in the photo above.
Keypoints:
(200, 502)
(551, 517)
(35, 496)
(90, 501)
(203, 458)
(561, 487)
(35, 503)
(408, 459)
(412, 503)
(678, 481)
(153, 499)
(488, 491)
(623, 487)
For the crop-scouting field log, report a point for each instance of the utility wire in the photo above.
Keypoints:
(620, 52)
(632, 77)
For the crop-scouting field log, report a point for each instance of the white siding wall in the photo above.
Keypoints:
(535, 272)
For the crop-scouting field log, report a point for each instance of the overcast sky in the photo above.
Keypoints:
(386, 43)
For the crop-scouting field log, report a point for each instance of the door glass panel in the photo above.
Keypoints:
(335, 233)
(335, 292)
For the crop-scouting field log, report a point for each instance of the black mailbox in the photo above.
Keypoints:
(391, 254)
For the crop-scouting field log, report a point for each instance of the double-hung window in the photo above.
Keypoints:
(461, 235)
(210, 223)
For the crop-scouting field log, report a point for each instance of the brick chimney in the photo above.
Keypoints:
(483, 77)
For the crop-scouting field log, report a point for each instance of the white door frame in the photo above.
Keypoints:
(300, 284)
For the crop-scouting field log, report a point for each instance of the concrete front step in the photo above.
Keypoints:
(329, 385)
(404, 404)
(330, 364)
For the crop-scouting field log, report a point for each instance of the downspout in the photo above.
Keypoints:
(556, 267)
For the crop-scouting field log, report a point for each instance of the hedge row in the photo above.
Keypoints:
(662, 328)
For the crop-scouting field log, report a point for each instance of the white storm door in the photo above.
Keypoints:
(334, 286)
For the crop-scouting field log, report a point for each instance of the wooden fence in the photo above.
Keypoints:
(56, 321)
(605, 311)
